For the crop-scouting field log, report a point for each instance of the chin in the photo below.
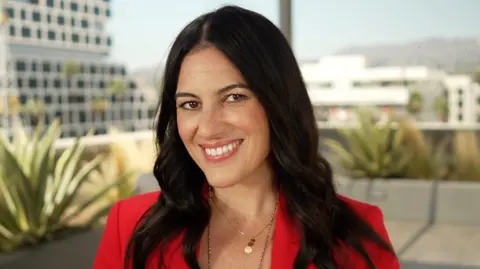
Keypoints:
(222, 182)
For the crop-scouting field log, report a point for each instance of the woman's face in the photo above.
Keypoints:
(220, 121)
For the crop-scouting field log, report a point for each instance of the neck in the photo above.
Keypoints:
(254, 198)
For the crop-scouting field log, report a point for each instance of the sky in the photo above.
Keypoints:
(143, 30)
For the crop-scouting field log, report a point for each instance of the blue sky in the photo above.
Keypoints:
(143, 30)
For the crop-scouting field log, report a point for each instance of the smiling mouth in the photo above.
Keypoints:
(222, 152)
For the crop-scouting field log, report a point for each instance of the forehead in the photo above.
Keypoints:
(205, 69)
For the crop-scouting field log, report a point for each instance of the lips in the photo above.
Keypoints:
(220, 151)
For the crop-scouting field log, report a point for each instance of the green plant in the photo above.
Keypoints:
(428, 161)
(99, 104)
(466, 156)
(125, 158)
(117, 87)
(38, 191)
(440, 107)
(373, 150)
(415, 102)
(476, 75)
(12, 105)
(35, 108)
(71, 68)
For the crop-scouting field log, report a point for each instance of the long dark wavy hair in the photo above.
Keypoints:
(262, 54)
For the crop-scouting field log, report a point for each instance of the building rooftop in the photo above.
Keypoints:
(363, 96)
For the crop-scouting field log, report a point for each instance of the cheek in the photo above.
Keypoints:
(186, 127)
(252, 120)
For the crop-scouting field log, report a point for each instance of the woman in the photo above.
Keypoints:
(243, 185)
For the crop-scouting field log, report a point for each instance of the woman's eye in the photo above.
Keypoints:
(189, 105)
(235, 97)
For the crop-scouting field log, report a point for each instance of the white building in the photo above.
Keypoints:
(37, 39)
(337, 83)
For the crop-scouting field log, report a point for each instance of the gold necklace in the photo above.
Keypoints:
(262, 255)
(249, 248)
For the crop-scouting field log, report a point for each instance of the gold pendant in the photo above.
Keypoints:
(249, 248)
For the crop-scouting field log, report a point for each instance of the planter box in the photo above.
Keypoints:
(451, 202)
(458, 203)
(399, 199)
(76, 252)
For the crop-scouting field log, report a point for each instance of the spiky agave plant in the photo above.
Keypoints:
(38, 190)
(372, 150)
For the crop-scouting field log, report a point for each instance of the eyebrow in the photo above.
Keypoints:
(219, 91)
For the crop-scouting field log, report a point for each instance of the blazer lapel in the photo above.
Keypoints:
(286, 239)
(286, 243)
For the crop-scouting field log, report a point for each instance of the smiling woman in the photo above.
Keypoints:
(243, 184)
(220, 120)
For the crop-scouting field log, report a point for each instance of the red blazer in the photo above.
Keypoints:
(124, 215)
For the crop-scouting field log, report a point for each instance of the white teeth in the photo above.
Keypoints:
(221, 150)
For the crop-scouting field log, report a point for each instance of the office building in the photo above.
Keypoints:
(337, 84)
(54, 64)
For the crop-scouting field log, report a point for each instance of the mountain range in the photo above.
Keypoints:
(449, 54)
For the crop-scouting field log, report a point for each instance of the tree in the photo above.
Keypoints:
(70, 69)
(35, 109)
(476, 76)
(440, 106)
(13, 104)
(99, 104)
(415, 102)
(117, 87)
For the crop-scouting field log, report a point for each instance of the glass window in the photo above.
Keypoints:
(74, 6)
(10, 12)
(36, 16)
(75, 38)
(12, 30)
(51, 35)
(46, 67)
(20, 66)
(26, 32)
(32, 83)
(84, 23)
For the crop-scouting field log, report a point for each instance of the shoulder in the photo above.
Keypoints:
(369, 213)
(135, 206)
(363, 209)
(121, 222)
(129, 211)
(373, 216)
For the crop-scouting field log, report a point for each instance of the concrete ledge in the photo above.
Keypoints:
(399, 199)
(459, 203)
(425, 201)
(446, 244)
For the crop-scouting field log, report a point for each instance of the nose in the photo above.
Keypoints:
(211, 124)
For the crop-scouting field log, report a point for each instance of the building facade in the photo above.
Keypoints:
(337, 84)
(54, 65)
